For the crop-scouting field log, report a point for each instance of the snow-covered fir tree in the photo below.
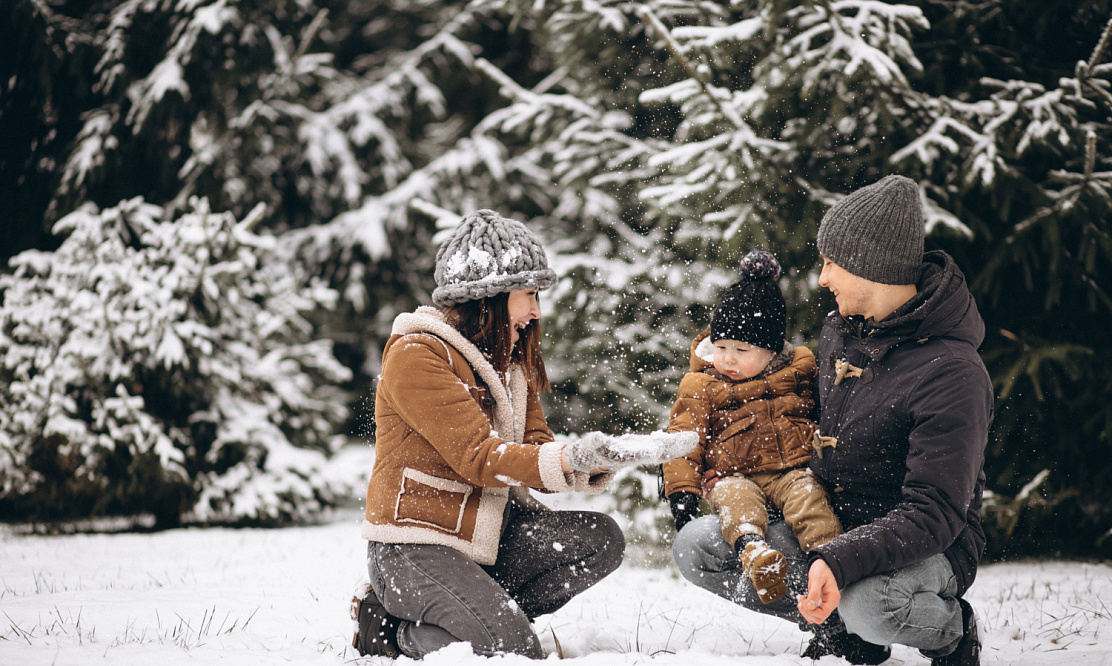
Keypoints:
(165, 368)
(785, 106)
(1022, 156)
(650, 144)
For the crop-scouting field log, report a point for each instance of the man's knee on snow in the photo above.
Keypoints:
(693, 548)
(874, 610)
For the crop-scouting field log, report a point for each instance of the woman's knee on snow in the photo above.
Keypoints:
(609, 541)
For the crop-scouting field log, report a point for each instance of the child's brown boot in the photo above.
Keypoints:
(766, 567)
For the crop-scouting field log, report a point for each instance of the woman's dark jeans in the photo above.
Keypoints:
(545, 558)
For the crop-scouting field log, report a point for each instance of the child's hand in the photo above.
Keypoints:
(710, 478)
(685, 508)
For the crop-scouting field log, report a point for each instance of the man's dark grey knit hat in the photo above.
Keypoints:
(488, 255)
(877, 232)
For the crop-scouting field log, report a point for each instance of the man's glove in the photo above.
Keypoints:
(596, 450)
(685, 507)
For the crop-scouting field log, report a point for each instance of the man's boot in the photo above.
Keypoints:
(850, 647)
(968, 651)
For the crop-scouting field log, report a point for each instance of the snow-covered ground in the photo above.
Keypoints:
(201, 596)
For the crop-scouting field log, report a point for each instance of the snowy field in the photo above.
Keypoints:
(205, 596)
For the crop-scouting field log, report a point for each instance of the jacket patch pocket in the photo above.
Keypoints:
(430, 500)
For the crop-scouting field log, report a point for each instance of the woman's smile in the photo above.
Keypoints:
(523, 309)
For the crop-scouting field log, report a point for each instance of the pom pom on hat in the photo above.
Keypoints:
(760, 264)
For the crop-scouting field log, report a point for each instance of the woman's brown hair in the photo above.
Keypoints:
(486, 323)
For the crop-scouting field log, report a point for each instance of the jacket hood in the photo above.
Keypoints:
(702, 352)
(944, 307)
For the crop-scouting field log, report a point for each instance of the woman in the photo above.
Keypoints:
(458, 549)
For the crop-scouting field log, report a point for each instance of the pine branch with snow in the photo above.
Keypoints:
(163, 366)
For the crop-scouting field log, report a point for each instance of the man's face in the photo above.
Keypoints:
(853, 294)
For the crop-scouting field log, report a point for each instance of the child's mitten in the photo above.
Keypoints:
(685, 508)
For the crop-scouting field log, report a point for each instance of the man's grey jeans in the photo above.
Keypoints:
(915, 606)
(442, 596)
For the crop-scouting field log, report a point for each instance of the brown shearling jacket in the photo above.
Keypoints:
(759, 425)
(452, 438)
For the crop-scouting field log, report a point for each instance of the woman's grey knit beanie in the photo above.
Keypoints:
(487, 255)
(877, 232)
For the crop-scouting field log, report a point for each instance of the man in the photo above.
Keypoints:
(905, 408)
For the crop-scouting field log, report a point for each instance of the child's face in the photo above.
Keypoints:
(740, 360)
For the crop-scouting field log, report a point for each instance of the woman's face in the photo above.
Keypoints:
(523, 308)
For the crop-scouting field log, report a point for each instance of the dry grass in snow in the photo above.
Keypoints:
(209, 596)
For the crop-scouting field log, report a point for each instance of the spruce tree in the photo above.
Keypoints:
(650, 144)
(163, 367)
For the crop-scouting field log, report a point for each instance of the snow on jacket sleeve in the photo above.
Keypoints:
(433, 401)
(950, 410)
(690, 413)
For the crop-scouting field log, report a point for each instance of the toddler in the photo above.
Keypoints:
(748, 397)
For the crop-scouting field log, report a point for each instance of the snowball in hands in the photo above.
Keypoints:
(597, 450)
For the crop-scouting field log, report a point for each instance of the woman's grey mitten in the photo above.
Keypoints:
(586, 453)
(598, 450)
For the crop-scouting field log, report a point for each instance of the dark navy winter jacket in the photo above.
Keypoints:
(907, 472)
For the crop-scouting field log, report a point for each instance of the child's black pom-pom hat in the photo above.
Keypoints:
(752, 309)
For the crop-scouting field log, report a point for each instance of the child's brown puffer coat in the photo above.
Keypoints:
(759, 425)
